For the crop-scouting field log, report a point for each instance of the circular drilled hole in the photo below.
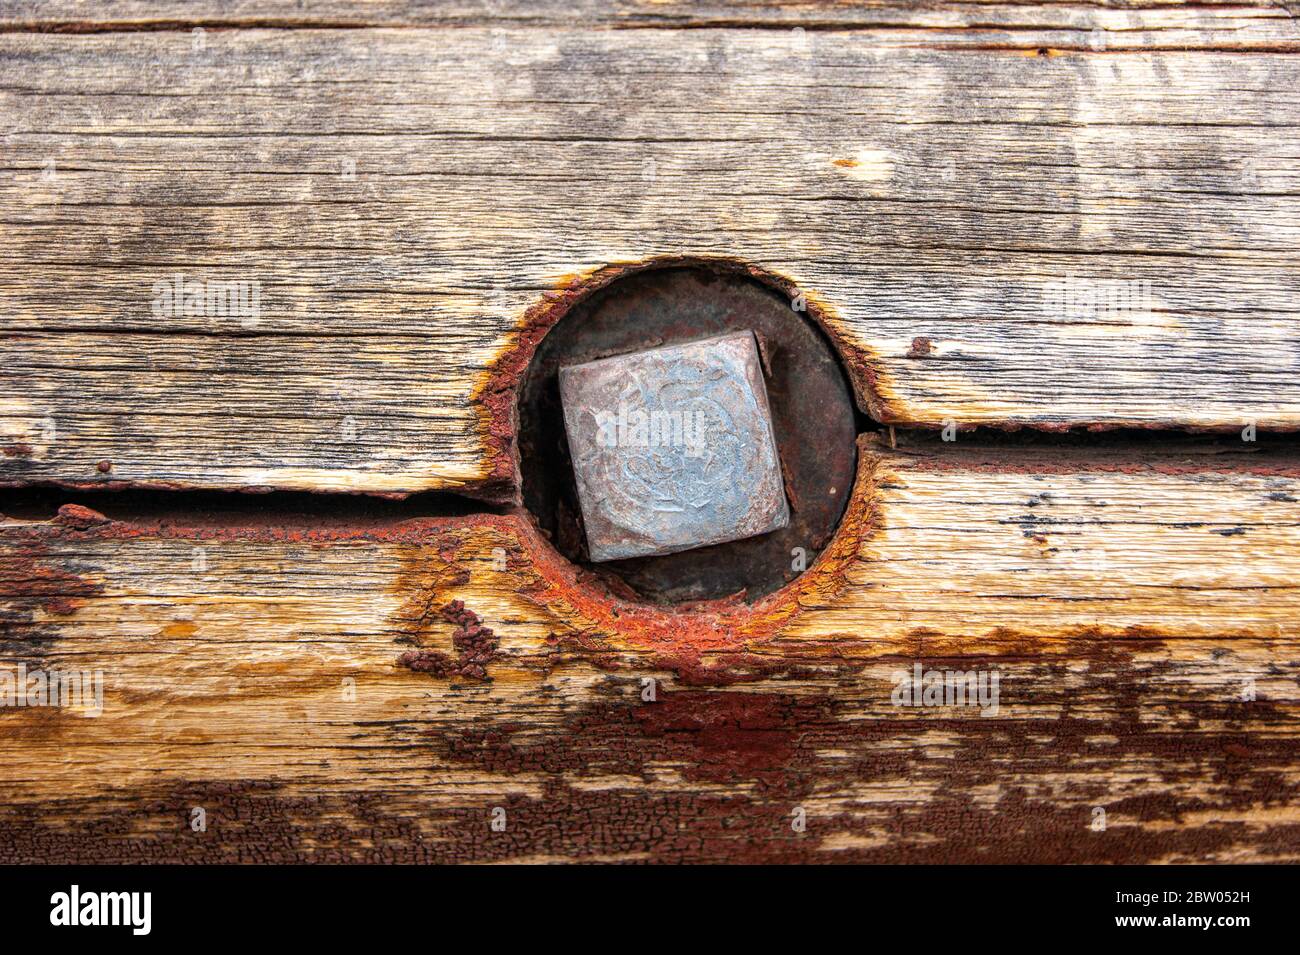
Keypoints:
(811, 404)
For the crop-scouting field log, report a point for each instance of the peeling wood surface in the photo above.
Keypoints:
(1126, 598)
(923, 172)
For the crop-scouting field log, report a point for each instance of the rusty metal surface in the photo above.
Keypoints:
(673, 448)
(811, 407)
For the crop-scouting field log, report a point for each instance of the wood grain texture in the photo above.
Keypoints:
(922, 172)
(1125, 597)
(1132, 22)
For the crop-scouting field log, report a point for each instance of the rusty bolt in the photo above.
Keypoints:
(673, 448)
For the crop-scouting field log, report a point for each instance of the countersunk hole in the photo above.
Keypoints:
(811, 402)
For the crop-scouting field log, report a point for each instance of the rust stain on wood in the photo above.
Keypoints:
(35, 589)
(475, 647)
(496, 395)
(678, 637)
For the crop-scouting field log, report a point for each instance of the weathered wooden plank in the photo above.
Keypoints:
(1131, 603)
(1168, 23)
(924, 187)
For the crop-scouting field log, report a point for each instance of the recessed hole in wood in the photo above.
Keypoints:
(812, 418)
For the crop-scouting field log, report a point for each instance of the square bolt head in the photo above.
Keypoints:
(673, 448)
